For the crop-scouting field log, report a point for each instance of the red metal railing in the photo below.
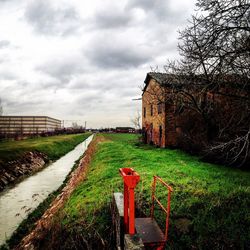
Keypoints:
(154, 198)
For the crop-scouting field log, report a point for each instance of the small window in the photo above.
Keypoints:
(159, 107)
(151, 110)
(144, 112)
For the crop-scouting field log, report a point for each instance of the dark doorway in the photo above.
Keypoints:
(144, 135)
(160, 135)
(151, 134)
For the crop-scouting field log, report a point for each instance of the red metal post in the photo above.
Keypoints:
(153, 198)
(125, 207)
(131, 211)
(168, 213)
(130, 179)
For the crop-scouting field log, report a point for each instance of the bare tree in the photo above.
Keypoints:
(217, 42)
(75, 125)
(136, 120)
(211, 81)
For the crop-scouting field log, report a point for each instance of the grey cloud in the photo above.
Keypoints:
(159, 9)
(3, 59)
(105, 92)
(144, 4)
(10, 99)
(111, 54)
(88, 85)
(103, 88)
(127, 105)
(92, 103)
(81, 84)
(98, 82)
(17, 102)
(63, 70)
(89, 98)
(26, 98)
(129, 92)
(7, 75)
(113, 19)
(4, 44)
(114, 81)
(48, 19)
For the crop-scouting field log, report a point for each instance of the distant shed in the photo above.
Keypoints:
(26, 125)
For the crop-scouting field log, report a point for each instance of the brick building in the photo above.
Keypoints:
(158, 123)
(163, 121)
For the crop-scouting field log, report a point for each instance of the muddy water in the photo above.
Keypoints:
(16, 203)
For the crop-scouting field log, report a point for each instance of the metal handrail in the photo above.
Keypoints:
(167, 209)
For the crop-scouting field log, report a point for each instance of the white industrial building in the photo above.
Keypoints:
(25, 125)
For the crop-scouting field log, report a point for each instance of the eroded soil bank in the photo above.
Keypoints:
(43, 225)
(28, 164)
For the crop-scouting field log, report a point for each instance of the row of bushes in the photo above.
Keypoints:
(20, 136)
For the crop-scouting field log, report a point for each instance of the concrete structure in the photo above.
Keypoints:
(123, 241)
(26, 125)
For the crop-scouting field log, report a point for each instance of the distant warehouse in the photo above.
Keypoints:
(26, 125)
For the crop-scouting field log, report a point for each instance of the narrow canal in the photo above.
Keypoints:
(17, 202)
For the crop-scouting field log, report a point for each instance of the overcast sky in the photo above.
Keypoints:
(84, 60)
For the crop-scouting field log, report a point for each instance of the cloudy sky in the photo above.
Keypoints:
(84, 60)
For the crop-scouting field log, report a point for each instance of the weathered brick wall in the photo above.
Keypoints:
(154, 95)
(171, 126)
(189, 126)
(117, 219)
(152, 122)
(123, 241)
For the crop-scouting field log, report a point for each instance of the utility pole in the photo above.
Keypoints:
(85, 125)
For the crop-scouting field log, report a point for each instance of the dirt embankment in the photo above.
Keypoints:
(32, 240)
(29, 163)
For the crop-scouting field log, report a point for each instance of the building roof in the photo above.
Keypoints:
(164, 79)
(28, 116)
(161, 78)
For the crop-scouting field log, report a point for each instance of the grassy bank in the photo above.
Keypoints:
(54, 146)
(28, 224)
(210, 203)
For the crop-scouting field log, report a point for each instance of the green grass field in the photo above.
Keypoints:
(54, 146)
(210, 203)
